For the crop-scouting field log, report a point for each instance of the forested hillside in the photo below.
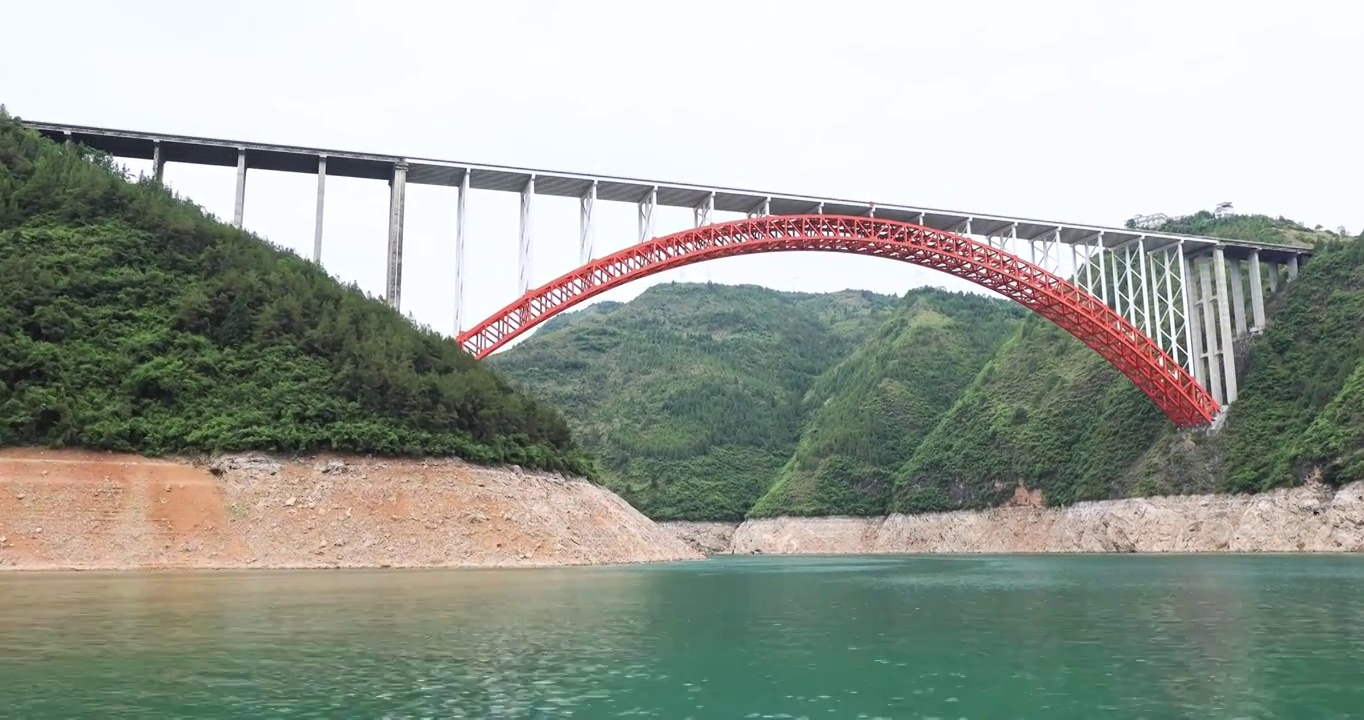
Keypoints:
(947, 402)
(690, 395)
(130, 320)
(1049, 414)
(865, 417)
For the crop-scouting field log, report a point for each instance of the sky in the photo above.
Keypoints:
(1082, 112)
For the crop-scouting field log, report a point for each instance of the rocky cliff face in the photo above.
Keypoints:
(1311, 518)
(74, 509)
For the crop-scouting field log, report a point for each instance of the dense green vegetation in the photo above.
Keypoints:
(1047, 413)
(948, 402)
(130, 320)
(690, 395)
(1302, 395)
(866, 416)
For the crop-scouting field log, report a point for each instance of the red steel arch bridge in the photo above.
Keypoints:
(1165, 309)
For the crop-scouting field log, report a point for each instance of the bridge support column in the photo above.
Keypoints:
(646, 214)
(1257, 293)
(317, 222)
(1273, 277)
(1238, 295)
(1293, 268)
(702, 214)
(158, 162)
(238, 213)
(396, 200)
(587, 204)
(1227, 345)
(523, 265)
(460, 235)
(1192, 340)
(1209, 323)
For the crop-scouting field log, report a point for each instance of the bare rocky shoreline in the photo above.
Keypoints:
(1311, 518)
(82, 510)
(79, 510)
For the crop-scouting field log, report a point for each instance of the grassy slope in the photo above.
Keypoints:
(865, 416)
(130, 320)
(690, 395)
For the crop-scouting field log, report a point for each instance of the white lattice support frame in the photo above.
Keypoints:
(1050, 244)
(586, 206)
(1167, 303)
(704, 213)
(762, 209)
(1146, 287)
(646, 214)
(524, 263)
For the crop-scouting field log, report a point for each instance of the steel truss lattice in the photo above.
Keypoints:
(1134, 353)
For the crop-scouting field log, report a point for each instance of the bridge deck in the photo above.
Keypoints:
(215, 151)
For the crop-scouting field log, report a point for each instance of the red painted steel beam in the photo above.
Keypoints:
(1072, 308)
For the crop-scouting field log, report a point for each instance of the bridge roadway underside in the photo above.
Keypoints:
(164, 148)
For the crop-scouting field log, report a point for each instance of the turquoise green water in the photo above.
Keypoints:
(917, 637)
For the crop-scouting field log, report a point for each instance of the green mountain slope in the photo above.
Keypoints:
(865, 416)
(1048, 413)
(690, 395)
(129, 320)
(1301, 403)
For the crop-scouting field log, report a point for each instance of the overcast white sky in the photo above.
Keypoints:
(1073, 111)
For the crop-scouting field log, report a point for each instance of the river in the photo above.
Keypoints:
(950, 637)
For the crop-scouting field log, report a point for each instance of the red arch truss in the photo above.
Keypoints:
(1077, 311)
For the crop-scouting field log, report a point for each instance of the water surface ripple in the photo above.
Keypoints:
(1046, 637)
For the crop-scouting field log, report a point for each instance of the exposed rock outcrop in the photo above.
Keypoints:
(1311, 518)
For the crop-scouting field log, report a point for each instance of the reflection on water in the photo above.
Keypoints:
(950, 637)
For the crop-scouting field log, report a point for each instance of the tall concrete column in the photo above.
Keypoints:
(1293, 267)
(1192, 307)
(158, 162)
(523, 265)
(460, 235)
(1257, 292)
(397, 195)
(1238, 296)
(321, 193)
(1227, 344)
(241, 188)
(1273, 277)
(1210, 330)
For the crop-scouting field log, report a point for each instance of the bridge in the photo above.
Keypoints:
(1165, 309)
